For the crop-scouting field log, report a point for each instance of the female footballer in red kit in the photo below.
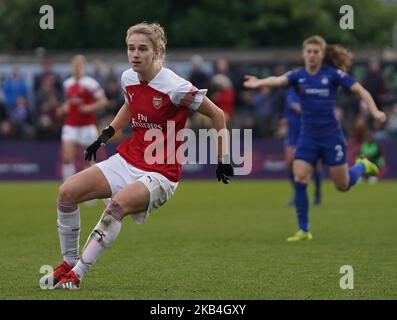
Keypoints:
(83, 96)
(154, 95)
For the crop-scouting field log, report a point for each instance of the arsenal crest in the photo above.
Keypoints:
(157, 101)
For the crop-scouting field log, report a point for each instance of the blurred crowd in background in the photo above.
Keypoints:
(28, 105)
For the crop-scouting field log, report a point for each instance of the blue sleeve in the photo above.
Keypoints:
(292, 76)
(344, 80)
(291, 97)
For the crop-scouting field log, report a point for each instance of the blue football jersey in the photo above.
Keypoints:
(291, 98)
(317, 94)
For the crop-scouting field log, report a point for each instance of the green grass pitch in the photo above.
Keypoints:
(212, 241)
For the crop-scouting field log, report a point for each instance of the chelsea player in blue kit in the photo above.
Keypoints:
(321, 136)
(292, 115)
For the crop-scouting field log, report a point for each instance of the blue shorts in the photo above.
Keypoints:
(292, 136)
(331, 148)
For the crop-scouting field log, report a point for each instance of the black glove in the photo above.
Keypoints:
(100, 141)
(224, 172)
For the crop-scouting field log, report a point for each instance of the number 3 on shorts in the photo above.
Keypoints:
(339, 152)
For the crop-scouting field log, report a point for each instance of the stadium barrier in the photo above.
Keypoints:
(33, 160)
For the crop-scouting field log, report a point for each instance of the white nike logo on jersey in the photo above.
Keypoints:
(301, 80)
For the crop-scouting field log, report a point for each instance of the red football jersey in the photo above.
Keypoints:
(167, 97)
(78, 93)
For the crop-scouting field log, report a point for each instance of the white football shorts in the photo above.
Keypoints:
(119, 173)
(82, 135)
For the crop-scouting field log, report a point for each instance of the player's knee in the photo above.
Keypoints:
(115, 210)
(342, 186)
(131, 205)
(66, 207)
(301, 178)
(67, 160)
(67, 194)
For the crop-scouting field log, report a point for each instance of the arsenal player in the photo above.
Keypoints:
(83, 96)
(137, 186)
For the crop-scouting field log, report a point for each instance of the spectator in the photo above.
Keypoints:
(2, 79)
(5, 124)
(392, 122)
(46, 72)
(375, 82)
(48, 99)
(115, 100)
(246, 115)
(222, 66)
(349, 104)
(14, 87)
(223, 95)
(198, 77)
(111, 75)
(21, 120)
(115, 97)
(97, 72)
(278, 94)
(264, 115)
(373, 151)
(359, 130)
(220, 90)
(48, 123)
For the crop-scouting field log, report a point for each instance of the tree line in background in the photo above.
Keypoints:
(99, 24)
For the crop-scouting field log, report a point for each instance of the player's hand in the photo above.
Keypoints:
(251, 82)
(91, 150)
(297, 108)
(224, 172)
(64, 109)
(87, 108)
(380, 116)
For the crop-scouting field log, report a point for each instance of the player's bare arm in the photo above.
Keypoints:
(369, 101)
(100, 103)
(252, 82)
(122, 117)
(209, 109)
(224, 171)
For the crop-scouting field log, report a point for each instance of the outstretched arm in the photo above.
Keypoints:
(252, 82)
(367, 98)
